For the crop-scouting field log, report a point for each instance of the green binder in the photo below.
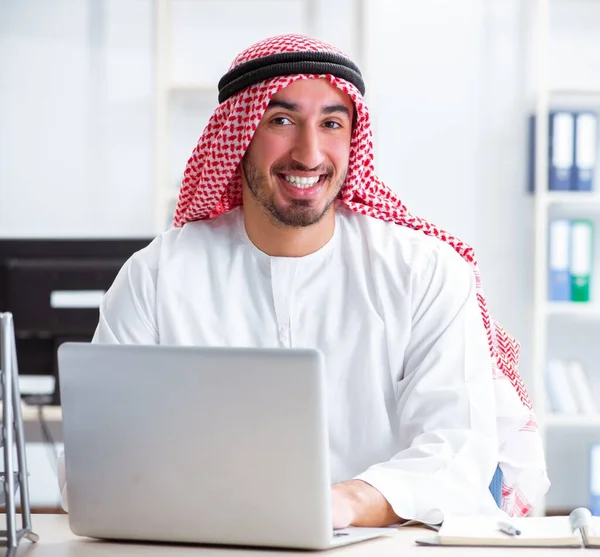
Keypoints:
(582, 235)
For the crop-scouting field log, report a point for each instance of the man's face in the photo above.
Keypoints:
(298, 158)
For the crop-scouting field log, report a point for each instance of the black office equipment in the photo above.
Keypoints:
(52, 287)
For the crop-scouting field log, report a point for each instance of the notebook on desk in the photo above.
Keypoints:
(579, 529)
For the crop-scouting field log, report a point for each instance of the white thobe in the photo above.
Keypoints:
(411, 406)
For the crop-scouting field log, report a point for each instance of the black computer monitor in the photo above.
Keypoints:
(52, 288)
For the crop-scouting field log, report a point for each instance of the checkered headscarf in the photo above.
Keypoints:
(212, 185)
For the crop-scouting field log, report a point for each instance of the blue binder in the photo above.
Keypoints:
(562, 151)
(559, 277)
(586, 148)
(594, 479)
(531, 154)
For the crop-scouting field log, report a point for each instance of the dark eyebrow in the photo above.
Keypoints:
(294, 107)
(331, 109)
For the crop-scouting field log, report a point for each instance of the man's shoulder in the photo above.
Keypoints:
(401, 245)
(222, 227)
(403, 249)
(194, 237)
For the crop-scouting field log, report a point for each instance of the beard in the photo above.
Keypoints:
(299, 212)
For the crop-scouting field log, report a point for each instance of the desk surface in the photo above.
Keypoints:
(30, 413)
(51, 413)
(56, 540)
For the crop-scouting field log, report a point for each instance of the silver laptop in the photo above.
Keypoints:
(199, 445)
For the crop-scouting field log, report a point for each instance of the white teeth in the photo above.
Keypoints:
(302, 181)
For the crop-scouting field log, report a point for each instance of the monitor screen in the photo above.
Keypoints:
(53, 288)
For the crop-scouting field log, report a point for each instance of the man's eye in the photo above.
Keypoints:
(281, 121)
(332, 125)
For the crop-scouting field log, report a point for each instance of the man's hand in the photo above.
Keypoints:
(356, 503)
(342, 510)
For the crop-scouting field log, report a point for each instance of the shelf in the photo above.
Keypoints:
(574, 99)
(573, 420)
(584, 309)
(572, 197)
(197, 88)
(575, 92)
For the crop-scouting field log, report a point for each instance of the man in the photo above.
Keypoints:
(285, 237)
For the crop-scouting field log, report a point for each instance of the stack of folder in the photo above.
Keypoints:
(570, 260)
(569, 389)
(573, 151)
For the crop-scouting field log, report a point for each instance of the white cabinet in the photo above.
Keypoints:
(567, 60)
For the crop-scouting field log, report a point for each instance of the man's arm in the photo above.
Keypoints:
(127, 311)
(448, 448)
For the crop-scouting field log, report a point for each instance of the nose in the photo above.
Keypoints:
(307, 147)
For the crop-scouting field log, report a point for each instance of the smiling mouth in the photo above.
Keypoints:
(302, 187)
(303, 182)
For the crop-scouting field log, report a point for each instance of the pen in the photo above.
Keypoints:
(508, 529)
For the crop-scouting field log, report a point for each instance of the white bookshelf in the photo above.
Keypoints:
(546, 205)
(168, 91)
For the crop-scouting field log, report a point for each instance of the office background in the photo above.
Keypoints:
(450, 86)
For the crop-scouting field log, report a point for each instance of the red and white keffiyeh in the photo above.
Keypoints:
(212, 185)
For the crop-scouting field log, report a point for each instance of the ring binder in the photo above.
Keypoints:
(11, 436)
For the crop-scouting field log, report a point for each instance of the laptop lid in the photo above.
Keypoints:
(194, 444)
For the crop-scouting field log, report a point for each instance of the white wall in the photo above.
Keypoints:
(76, 138)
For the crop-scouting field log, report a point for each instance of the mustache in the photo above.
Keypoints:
(321, 169)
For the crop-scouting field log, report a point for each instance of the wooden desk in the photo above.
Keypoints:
(56, 540)
(51, 413)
